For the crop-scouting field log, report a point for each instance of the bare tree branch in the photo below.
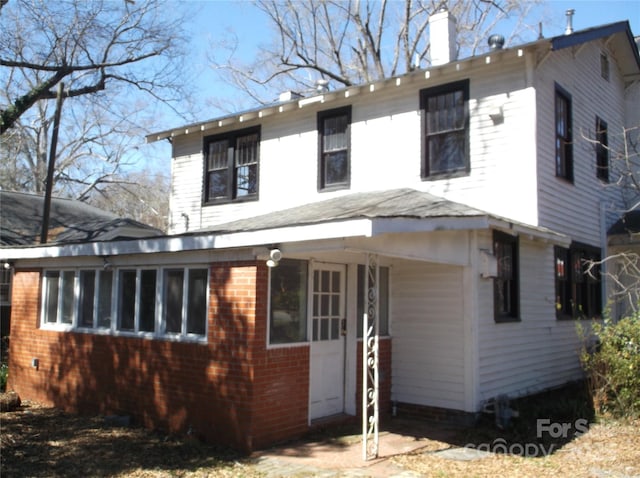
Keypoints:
(83, 43)
(354, 41)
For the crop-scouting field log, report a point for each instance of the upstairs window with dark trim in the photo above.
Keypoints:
(577, 281)
(231, 166)
(564, 135)
(506, 284)
(602, 150)
(445, 142)
(334, 128)
(604, 66)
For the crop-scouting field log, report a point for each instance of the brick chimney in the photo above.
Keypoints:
(442, 26)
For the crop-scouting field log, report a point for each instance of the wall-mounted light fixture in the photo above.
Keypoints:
(274, 257)
(6, 265)
(105, 262)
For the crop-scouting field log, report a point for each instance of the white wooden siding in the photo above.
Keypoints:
(428, 335)
(386, 150)
(574, 209)
(539, 351)
(186, 184)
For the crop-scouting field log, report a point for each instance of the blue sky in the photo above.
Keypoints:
(216, 18)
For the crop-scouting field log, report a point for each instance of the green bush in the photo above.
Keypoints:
(4, 373)
(611, 360)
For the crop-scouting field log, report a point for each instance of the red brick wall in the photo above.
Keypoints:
(281, 383)
(232, 390)
(175, 386)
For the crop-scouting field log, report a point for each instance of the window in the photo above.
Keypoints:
(87, 293)
(5, 286)
(604, 66)
(288, 302)
(578, 282)
(86, 298)
(127, 300)
(231, 163)
(564, 135)
(506, 284)
(59, 297)
(383, 305)
(185, 301)
(446, 129)
(105, 288)
(602, 150)
(137, 300)
(334, 139)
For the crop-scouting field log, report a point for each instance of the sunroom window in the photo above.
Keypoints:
(288, 302)
(86, 299)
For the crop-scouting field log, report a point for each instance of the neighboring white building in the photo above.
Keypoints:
(474, 185)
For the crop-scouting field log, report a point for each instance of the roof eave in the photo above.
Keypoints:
(358, 227)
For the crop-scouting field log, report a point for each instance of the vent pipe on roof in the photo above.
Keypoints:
(496, 42)
(322, 86)
(569, 29)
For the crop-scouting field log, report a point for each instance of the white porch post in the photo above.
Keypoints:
(370, 415)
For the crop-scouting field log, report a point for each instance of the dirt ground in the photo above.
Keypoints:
(38, 441)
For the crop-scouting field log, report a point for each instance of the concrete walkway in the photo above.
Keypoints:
(341, 455)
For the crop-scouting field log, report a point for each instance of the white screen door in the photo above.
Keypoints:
(327, 340)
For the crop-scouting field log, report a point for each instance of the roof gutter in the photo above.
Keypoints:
(360, 227)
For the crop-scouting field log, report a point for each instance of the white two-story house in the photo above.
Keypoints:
(458, 205)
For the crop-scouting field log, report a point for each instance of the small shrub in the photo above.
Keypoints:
(4, 373)
(612, 365)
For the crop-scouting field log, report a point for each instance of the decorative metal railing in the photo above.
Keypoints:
(370, 322)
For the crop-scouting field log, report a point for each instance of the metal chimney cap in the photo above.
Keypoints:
(322, 86)
(496, 42)
(569, 13)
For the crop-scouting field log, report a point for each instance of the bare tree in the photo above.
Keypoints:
(89, 45)
(143, 195)
(356, 41)
(621, 266)
(121, 62)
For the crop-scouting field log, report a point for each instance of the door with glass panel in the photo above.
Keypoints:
(327, 340)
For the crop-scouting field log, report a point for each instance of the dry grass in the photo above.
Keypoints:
(607, 450)
(44, 442)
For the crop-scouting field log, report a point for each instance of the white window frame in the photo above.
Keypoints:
(300, 343)
(115, 318)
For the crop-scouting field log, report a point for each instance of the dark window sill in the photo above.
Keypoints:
(218, 202)
(448, 175)
(334, 187)
(506, 319)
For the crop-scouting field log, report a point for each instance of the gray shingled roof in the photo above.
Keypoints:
(70, 221)
(629, 223)
(396, 203)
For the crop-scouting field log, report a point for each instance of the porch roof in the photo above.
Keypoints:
(394, 203)
(365, 214)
